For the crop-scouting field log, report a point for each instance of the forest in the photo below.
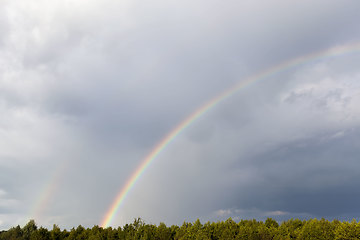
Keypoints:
(229, 229)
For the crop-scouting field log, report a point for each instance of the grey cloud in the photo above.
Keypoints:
(273, 154)
(311, 178)
(102, 83)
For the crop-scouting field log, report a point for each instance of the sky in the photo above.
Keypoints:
(89, 88)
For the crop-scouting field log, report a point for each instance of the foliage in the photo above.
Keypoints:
(245, 229)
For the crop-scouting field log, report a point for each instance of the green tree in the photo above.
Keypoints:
(40, 234)
(14, 233)
(55, 233)
(289, 229)
(317, 229)
(271, 223)
(182, 232)
(347, 231)
(29, 229)
(229, 229)
(163, 232)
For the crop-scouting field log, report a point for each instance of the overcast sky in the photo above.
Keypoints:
(88, 89)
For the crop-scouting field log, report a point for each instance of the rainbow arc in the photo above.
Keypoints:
(331, 52)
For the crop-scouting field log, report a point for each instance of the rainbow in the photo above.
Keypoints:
(330, 52)
(48, 192)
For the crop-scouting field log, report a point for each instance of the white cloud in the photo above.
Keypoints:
(223, 212)
(275, 213)
(253, 213)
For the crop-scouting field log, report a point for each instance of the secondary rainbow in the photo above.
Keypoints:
(48, 192)
(335, 51)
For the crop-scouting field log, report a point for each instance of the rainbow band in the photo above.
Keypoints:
(212, 103)
(48, 192)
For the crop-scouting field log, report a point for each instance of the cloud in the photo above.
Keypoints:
(282, 157)
(241, 214)
(93, 86)
(223, 212)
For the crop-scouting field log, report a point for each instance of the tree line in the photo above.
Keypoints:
(229, 229)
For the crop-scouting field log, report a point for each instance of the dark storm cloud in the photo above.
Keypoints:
(310, 176)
